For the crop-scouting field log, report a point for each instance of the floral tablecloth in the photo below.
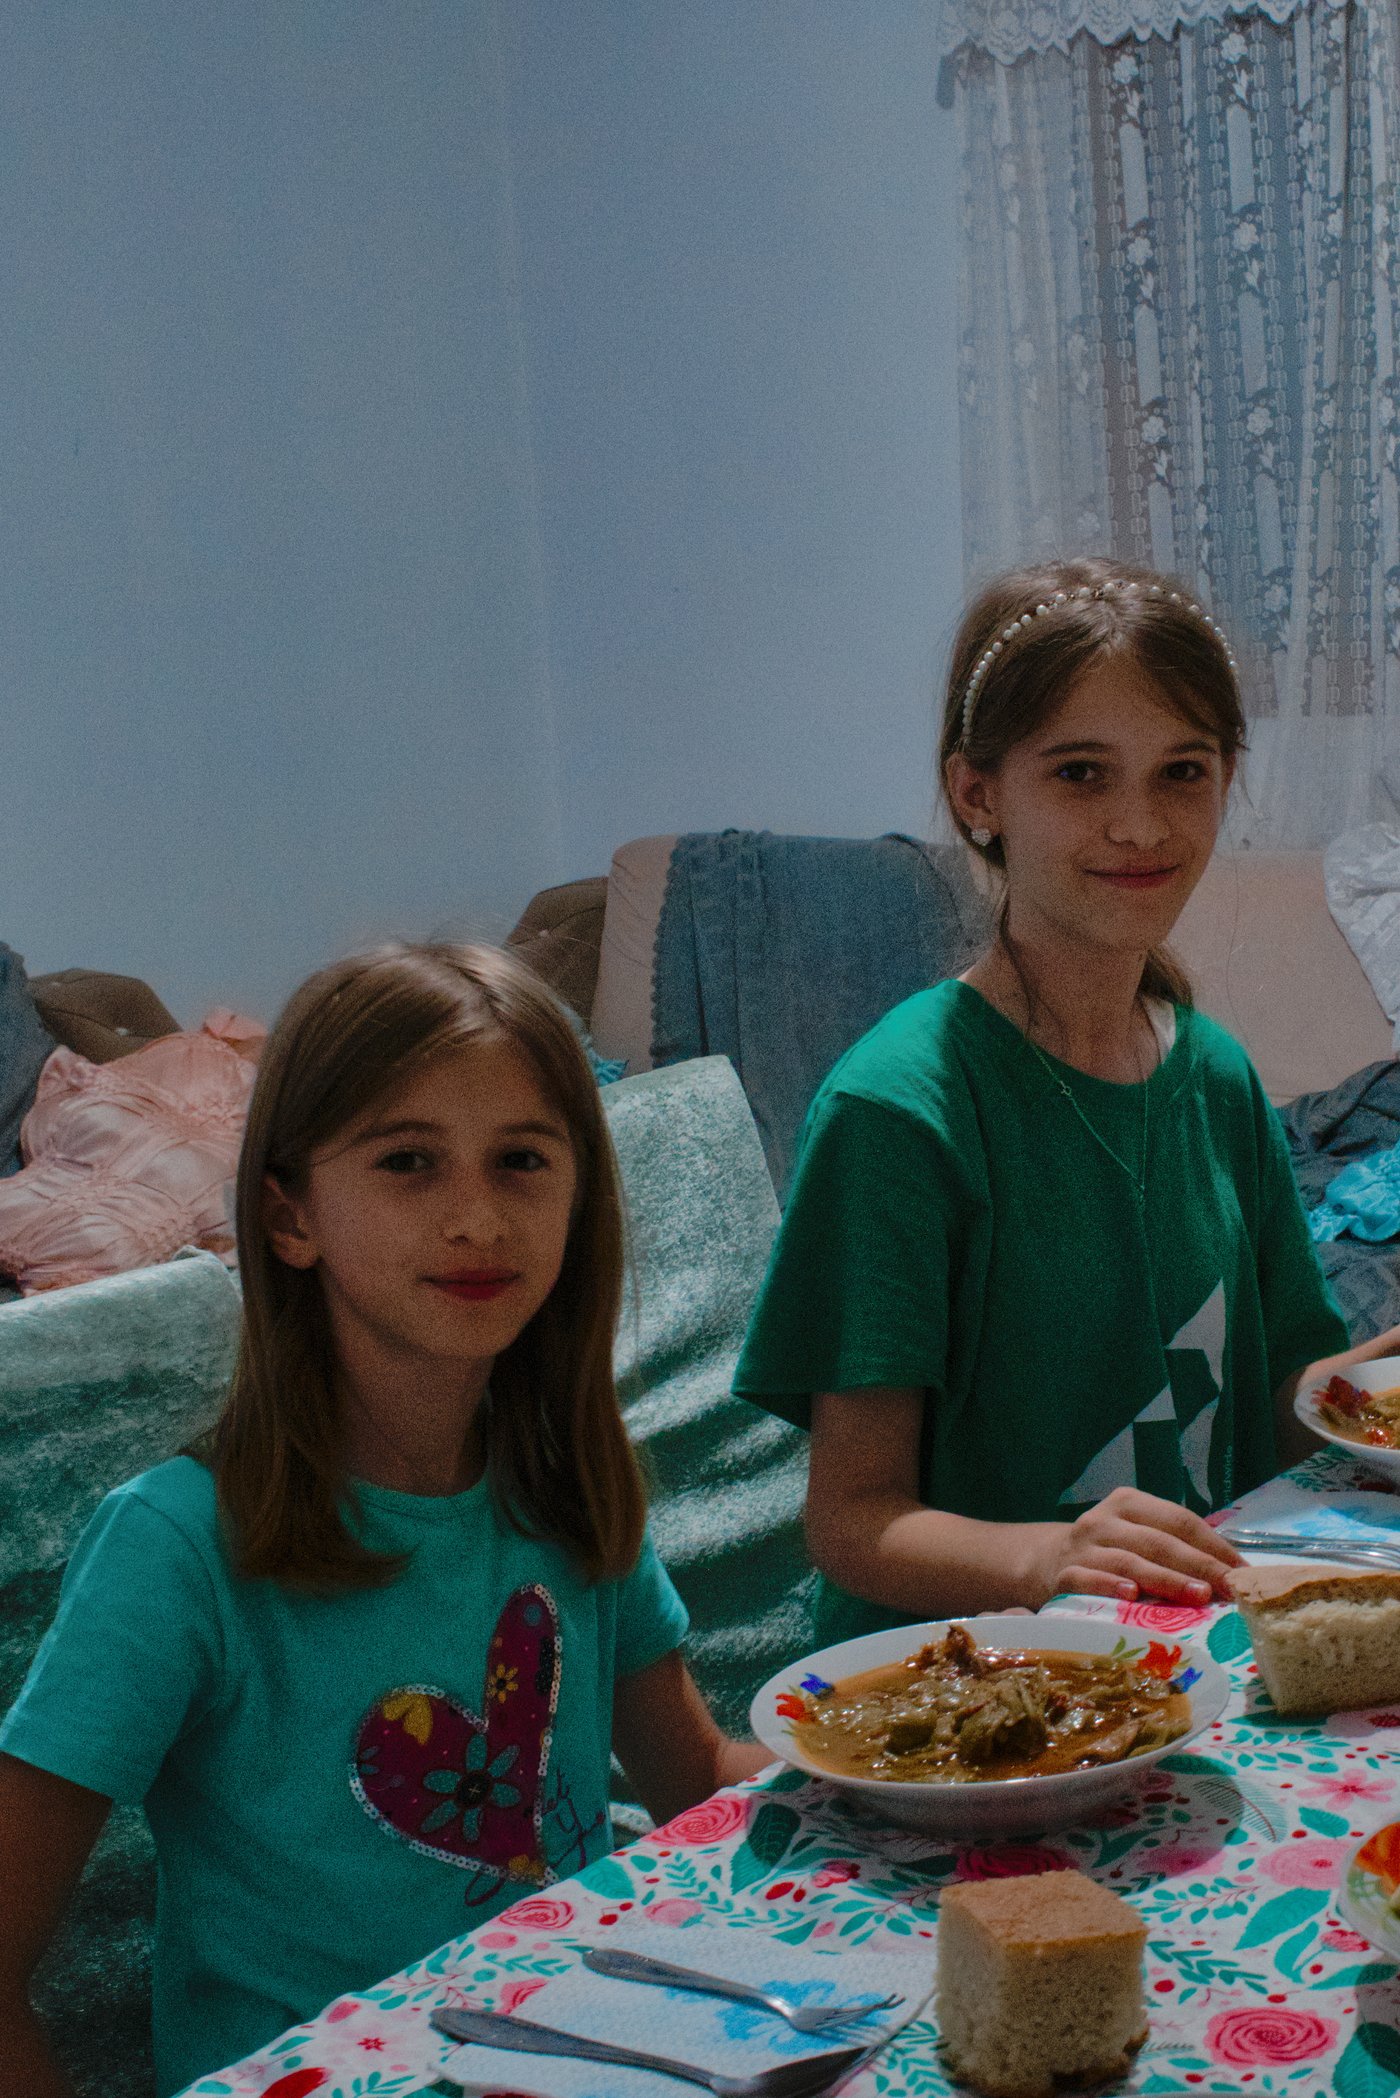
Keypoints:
(1231, 1852)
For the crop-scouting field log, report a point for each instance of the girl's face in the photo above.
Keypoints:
(1107, 814)
(438, 1221)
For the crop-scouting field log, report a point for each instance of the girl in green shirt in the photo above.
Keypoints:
(1044, 1290)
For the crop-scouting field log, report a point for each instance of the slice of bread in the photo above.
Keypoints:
(1039, 1983)
(1326, 1640)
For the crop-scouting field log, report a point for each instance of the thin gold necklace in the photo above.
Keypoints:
(1138, 1179)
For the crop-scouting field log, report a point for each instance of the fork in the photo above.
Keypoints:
(637, 1966)
(804, 2079)
(1312, 1547)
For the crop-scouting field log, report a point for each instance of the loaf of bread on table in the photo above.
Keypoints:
(1039, 1983)
(1325, 1640)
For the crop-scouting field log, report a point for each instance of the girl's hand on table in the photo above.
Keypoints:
(1133, 1544)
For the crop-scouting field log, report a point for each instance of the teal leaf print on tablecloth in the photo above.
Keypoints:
(769, 1835)
(1370, 2067)
(608, 1878)
(788, 1781)
(1323, 1824)
(1291, 1954)
(1228, 1637)
(1285, 1912)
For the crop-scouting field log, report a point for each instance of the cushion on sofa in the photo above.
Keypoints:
(1269, 964)
(100, 1015)
(126, 1162)
(560, 935)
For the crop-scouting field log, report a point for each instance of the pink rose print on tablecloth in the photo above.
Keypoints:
(1268, 2033)
(515, 1992)
(710, 1822)
(1179, 1860)
(1339, 1939)
(1342, 1790)
(1163, 1617)
(674, 1910)
(835, 1872)
(537, 1914)
(1010, 1861)
(1313, 1863)
(1361, 1726)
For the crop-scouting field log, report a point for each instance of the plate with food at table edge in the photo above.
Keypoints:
(990, 1726)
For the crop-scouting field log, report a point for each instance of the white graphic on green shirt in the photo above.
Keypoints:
(1133, 1458)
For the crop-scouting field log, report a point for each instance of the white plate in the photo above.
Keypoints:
(1380, 1375)
(1015, 1806)
(1369, 1877)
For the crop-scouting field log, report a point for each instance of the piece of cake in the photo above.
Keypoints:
(1039, 1983)
(1325, 1640)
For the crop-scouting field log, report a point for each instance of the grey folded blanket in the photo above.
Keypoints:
(780, 953)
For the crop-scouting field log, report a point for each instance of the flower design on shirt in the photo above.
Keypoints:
(414, 1712)
(470, 1789)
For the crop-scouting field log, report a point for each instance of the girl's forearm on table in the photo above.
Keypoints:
(931, 1563)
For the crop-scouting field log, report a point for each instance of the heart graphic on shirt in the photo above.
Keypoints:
(466, 1789)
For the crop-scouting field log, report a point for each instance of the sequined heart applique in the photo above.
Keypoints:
(465, 1789)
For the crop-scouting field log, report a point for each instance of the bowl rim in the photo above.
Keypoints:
(1352, 1904)
(1209, 1695)
(1385, 1457)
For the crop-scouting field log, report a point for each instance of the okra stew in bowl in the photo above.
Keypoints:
(998, 1725)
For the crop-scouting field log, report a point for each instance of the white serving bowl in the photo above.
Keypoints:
(1380, 1375)
(1017, 1806)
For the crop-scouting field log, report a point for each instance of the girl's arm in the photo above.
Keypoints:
(667, 1742)
(868, 1531)
(47, 1829)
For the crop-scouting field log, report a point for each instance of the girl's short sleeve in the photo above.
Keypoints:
(651, 1618)
(859, 1285)
(130, 1660)
(1301, 1321)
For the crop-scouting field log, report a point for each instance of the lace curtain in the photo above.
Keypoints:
(1181, 302)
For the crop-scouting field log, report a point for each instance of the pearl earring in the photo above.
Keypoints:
(981, 836)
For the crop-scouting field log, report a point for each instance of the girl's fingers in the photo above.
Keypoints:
(1097, 1580)
(1160, 1549)
(1152, 1514)
(1171, 1584)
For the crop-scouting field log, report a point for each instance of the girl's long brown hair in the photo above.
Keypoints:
(1172, 644)
(557, 1453)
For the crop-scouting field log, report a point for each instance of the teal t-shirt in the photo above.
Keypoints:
(956, 1223)
(335, 1786)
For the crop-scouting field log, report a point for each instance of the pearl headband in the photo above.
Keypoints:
(1083, 595)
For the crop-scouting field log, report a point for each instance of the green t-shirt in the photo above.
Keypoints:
(956, 1224)
(464, 1713)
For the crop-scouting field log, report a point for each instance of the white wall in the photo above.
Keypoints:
(738, 239)
(442, 438)
(273, 654)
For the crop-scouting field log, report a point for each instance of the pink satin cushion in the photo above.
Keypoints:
(127, 1162)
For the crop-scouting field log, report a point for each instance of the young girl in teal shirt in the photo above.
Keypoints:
(1044, 1291)
(364, 1656)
